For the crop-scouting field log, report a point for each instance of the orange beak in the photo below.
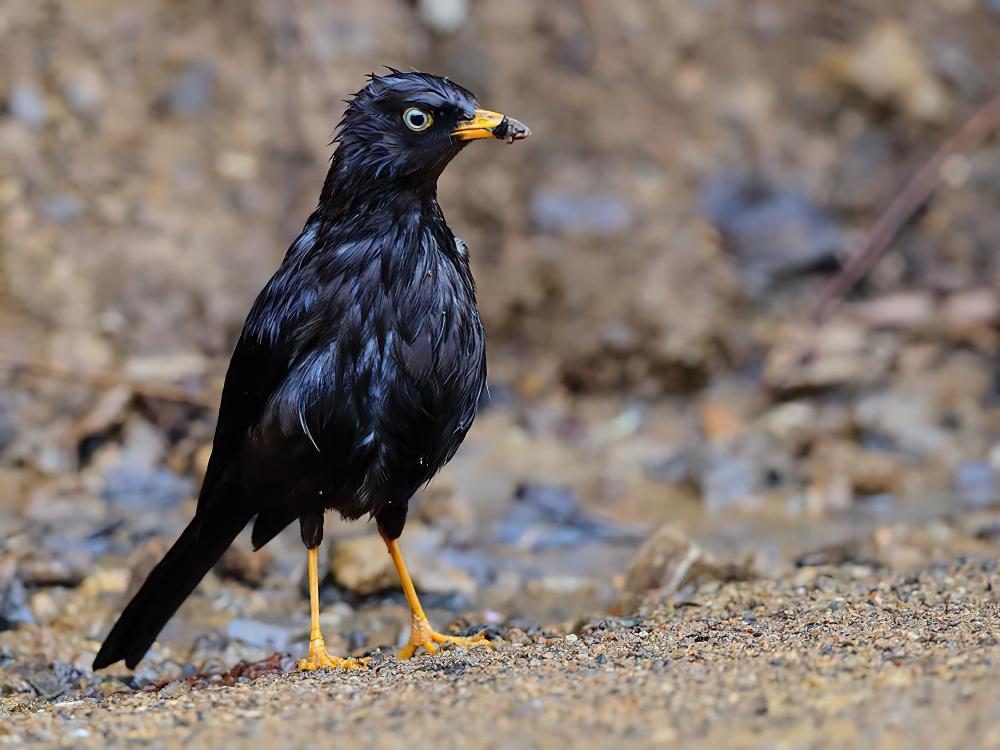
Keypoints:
(486, 124)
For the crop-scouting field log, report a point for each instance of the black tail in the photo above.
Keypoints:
(168, 585)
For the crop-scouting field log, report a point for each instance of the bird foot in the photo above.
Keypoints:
(423, 636)
(320, 658)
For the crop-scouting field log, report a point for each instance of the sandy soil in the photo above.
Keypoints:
(830, 658)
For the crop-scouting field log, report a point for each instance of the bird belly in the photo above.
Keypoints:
(363, 437)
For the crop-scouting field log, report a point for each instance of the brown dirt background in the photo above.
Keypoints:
(648, 265)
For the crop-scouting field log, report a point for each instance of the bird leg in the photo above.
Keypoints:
(319, 657)
(422, 635)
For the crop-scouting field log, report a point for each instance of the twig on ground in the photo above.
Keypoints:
(914, 194)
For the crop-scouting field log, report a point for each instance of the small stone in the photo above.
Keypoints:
(792, 421)
(106, 581)
(361, 564)
(138, 487)
(46, 684)
(664, 562)
(244, 565)
(678, 467)
(806, 356)
(443, 16)
(145, 674)
(27, 104)
(518, 636)
(44, 607)
(730, 477)
(441, 505)
(212, 667)
(889, 66)
(668, 560)
(191, 91)
(14, 609)
(52, 571)
(177, 366)
(174, 689)
(169, 671)
(546, 516)
(62, 208)
(261, 634)
(906, 418)
(568, 212)
(110, 687)
(977, 485)
(237, 165)
(773, 232)
(86, 91)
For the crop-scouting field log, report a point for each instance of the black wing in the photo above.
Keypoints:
(266, 352)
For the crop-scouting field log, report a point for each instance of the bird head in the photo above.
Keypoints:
(405, 127)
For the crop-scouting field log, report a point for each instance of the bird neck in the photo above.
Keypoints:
(353, 189)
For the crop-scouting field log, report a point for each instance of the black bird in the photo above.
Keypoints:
(359, 367)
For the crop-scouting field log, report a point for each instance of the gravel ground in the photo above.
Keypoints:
(831, 657)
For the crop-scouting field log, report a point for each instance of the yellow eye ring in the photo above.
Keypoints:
(417, 119)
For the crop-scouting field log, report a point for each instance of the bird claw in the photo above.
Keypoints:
(423, 636)
(320, 658)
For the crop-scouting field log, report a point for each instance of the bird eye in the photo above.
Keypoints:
(416, 119)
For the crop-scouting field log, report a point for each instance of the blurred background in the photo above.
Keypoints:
(677, 362)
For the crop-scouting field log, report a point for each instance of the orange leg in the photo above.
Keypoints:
(319, 657)
(422, 635)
